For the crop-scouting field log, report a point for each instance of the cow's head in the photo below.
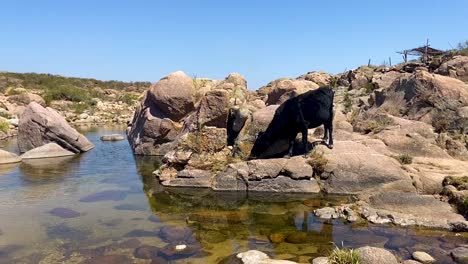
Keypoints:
(260, 146)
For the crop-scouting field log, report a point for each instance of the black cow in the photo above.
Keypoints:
(298, 114)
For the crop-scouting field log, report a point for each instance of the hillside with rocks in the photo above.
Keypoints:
(399, 130)
(81, 101)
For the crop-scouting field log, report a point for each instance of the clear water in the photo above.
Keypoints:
(110, 205)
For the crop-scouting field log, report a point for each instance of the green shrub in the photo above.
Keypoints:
(377, 124)
(344, 256)
(129, 99)
(67, 93)
(4, 126)
(13, 91)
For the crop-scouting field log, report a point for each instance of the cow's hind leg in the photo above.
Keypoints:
(305, 142)
(330, 132)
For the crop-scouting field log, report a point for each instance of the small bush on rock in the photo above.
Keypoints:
(4, 126)
(344, 256)
(377, 124)
(317, 161)
(404, 158)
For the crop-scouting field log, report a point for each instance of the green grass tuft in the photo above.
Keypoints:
(344, 256)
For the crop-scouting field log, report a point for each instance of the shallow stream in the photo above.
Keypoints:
(106, 203)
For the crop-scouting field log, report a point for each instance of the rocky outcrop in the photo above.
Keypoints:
(8, 157)
(49, 150)
(25, 99)
(39, 126)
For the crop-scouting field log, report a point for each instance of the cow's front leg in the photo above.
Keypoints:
(290, 149)
(325, 134)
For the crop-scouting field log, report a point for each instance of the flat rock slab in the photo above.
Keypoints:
(8, 157)
(113, 137)
(50, 150)
(354, 168)
(412, 209)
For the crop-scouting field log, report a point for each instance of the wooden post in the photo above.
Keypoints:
(390, 61)
(368, 63)
(425, 50)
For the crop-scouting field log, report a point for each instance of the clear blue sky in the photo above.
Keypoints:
(262, 40)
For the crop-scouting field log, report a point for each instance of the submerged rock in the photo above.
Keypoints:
(110, 195)
(108, 259)
(64, 212)
(423, 257)
(8, 157)
(460, 254)
(146, 252)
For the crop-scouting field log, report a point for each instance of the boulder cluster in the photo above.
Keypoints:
(399, 129)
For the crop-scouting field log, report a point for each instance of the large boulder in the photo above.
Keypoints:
(174, 95)
(39, 126)
(151, 131)
(8, 157)
(455, 68)
(280, 90)
(319, 77)
(26, 98)
(213, 108)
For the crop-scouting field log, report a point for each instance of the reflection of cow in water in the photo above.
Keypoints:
(298, 114)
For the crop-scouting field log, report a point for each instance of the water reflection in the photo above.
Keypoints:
(50, 169)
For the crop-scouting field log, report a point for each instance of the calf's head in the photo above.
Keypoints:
(260, 146)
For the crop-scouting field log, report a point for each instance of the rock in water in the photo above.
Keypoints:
(64, 212)
(373, 255)
(423, 257)
(39, 126)
(7, 157)
(113, 137)
(50, 150)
